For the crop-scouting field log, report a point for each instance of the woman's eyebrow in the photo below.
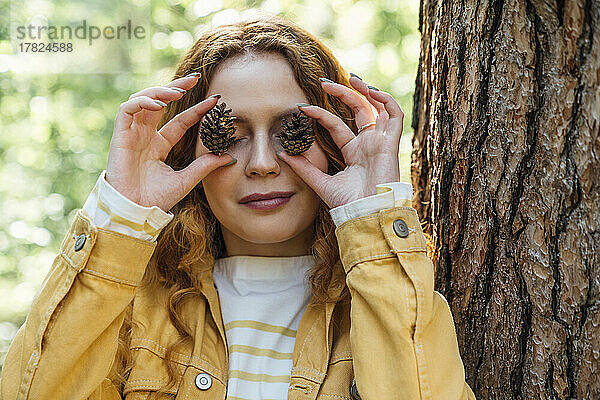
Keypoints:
(284, 113)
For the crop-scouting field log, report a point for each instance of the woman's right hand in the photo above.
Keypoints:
(137, 150)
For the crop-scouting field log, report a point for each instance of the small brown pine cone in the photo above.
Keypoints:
(217, 130)
(297, 134)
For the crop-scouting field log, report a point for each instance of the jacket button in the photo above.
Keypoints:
(79, 242)
(354, 391)
(400, 228)
(203, 381)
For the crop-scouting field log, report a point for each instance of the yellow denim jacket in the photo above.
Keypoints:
(401, 343)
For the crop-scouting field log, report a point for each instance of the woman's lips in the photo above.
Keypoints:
(269, 204)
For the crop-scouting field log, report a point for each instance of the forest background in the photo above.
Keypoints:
(55, 127)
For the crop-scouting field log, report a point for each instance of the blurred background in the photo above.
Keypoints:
(55, 128)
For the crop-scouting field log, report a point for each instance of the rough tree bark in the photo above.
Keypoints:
(506, 170)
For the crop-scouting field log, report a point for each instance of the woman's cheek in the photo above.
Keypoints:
(237, 149)
(220, 194)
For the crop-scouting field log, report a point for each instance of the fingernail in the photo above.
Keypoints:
(218, 96)
(372, 87)
(231, 162)
(326, 80)
(302, 105)
(194, 74)
(160, 103)
(180, 90)
(356, 76)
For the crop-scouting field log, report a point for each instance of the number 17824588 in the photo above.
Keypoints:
(35, 47)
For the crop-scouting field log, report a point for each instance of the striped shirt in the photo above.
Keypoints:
(259, 326)
(262, 298)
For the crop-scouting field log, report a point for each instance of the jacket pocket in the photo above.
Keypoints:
(339, 376)
(196, 378)
(149, 373)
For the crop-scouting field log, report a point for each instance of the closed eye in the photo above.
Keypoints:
(245, 138)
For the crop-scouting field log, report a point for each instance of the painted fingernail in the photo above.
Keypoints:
(180, 90)
(218, 96)
(194, 74)
(231, 162)
(372, 87)
(356, 76)
(302, 105)
(326, 80)
(160, 103)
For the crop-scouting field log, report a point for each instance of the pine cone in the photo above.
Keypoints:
(297, 135)
(217, 130)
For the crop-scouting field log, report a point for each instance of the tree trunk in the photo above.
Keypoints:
(505, 165)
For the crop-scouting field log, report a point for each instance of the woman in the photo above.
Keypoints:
(171, 283)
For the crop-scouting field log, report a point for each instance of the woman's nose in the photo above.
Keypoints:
(263, 158)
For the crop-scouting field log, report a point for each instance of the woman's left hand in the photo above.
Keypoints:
(371, 157)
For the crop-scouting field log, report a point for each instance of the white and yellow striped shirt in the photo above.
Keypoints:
(262, 298)
(262, 301)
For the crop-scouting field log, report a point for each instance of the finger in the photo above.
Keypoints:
(313, 176)
(362, 109)
(363, 88)
(129, 108)
(396, 116)
(160, 92)
(186, 82)
(173, 130)
(200, 167)
(339, 131)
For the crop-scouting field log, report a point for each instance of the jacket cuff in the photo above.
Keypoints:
(107, 254)
(384, 235)
(388, 195)
(111, 210)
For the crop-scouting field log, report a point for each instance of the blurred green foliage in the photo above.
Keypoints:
(56, 128)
